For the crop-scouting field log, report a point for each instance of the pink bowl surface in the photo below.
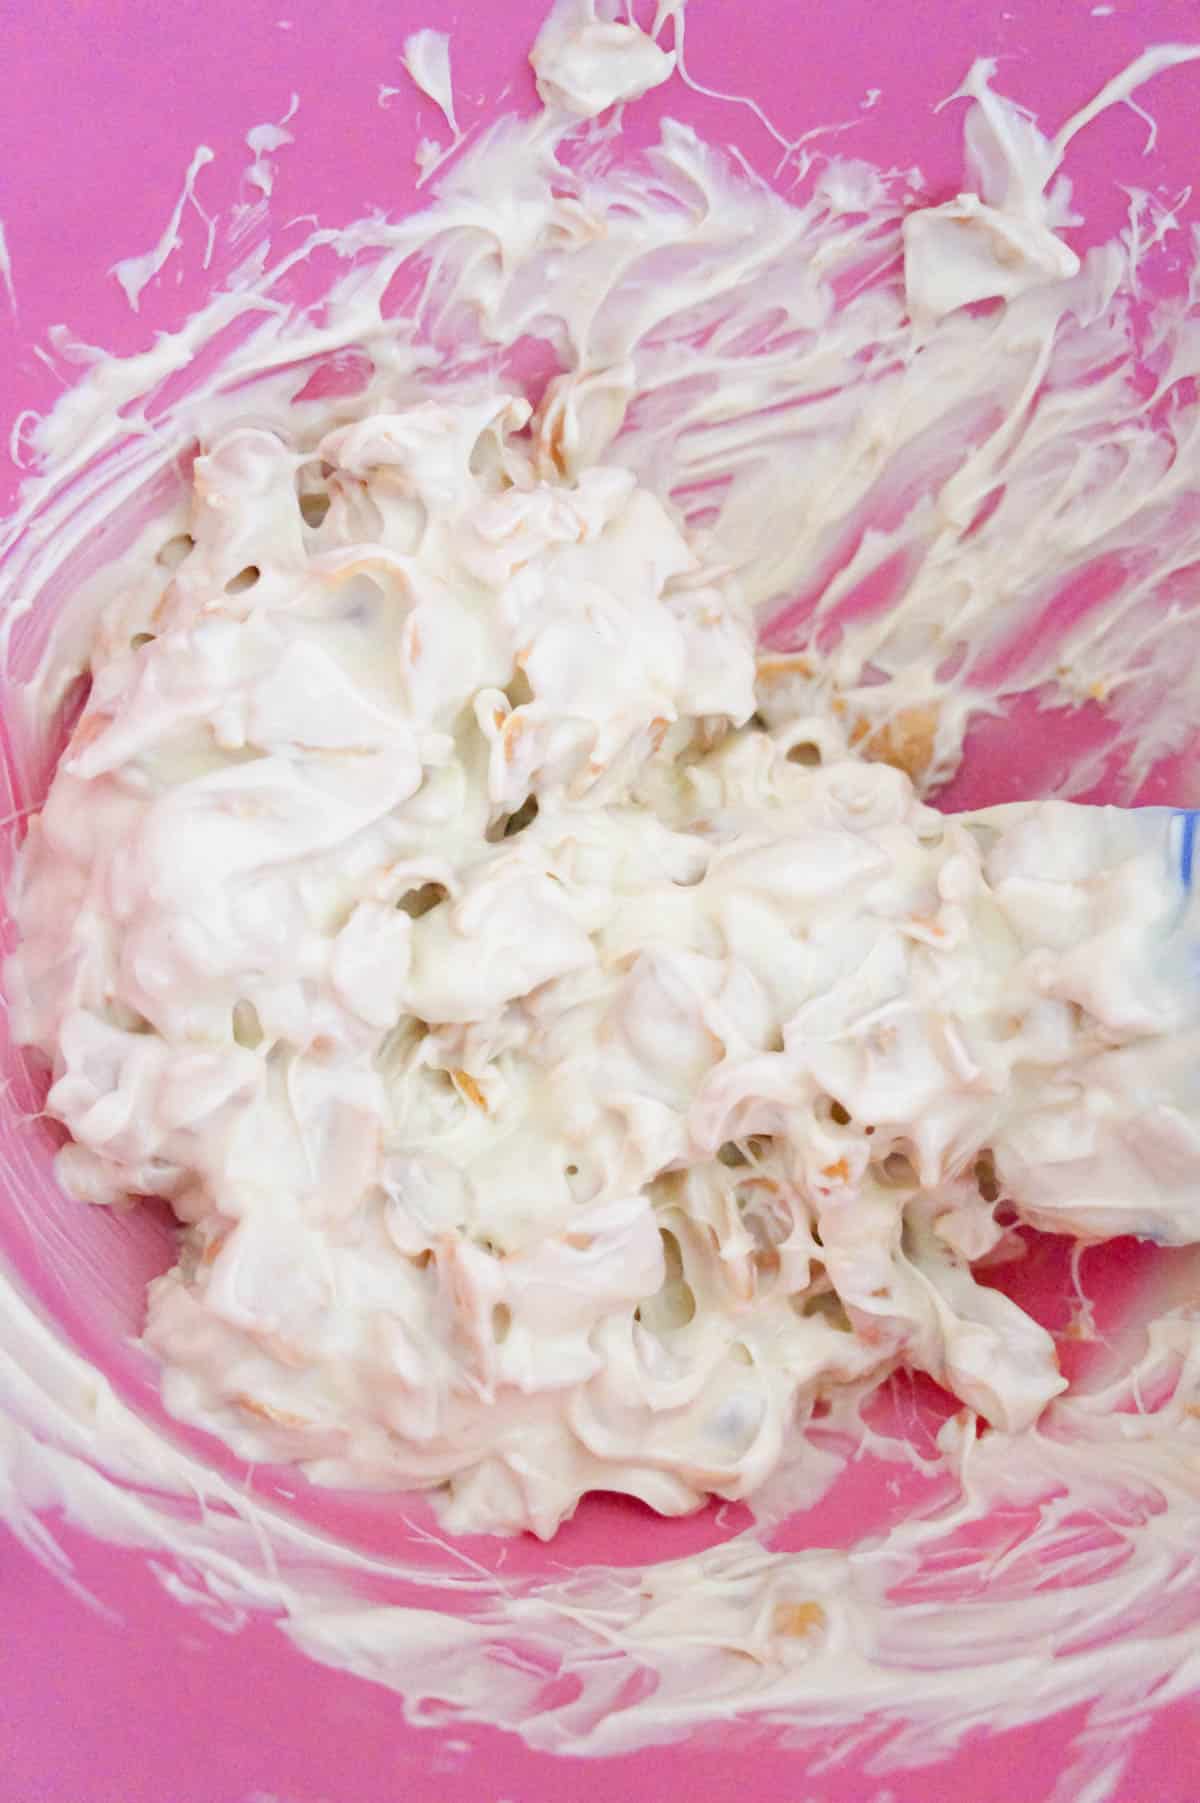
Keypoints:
(139, 1700)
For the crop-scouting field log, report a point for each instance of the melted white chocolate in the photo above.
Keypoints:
(562, 1088)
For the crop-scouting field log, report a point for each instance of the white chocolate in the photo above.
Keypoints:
(589, 1154)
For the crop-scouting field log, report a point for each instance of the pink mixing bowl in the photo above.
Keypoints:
(111, 1691)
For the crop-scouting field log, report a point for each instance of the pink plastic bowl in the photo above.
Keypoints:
(142, 1700)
